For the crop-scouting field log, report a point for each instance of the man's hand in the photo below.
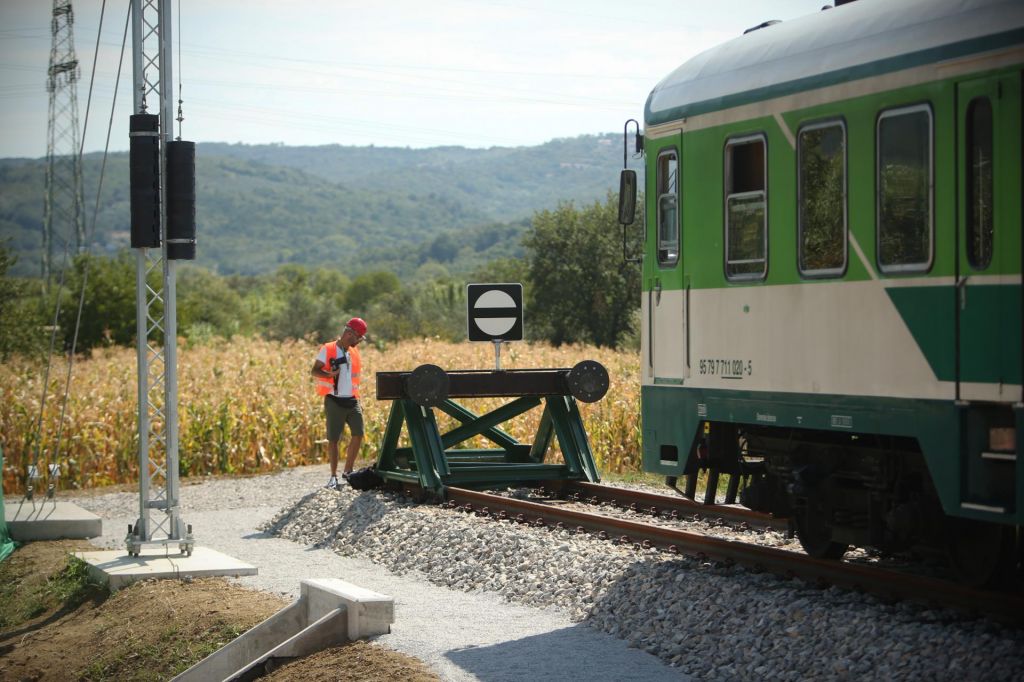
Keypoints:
(327, 371)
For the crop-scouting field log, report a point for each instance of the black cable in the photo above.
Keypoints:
(38, 435)
(92, 229)
(181, 117)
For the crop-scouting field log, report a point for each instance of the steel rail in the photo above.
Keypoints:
(653, 503)
(883, 583)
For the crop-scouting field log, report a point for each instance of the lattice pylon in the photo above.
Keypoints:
(159, 519)
(63, 226)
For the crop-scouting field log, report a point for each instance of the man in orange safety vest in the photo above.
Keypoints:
(336, 370)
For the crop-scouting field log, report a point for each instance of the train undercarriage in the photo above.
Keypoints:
(851, 490)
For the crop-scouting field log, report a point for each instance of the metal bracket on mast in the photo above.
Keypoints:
(156, 307)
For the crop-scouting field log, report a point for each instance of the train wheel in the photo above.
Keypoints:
(981, 554)
(815, 533)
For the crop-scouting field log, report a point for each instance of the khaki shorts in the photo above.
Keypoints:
(338, 416)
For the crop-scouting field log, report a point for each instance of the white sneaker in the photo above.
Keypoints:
(332, 484)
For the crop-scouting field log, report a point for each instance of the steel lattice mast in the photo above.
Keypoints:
(63, 196)
(156, 304)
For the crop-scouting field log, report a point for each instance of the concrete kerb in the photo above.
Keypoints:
(328, 612)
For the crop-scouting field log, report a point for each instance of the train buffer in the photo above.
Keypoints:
(433, 460)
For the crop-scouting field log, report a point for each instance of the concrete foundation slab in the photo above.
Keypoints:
(50, 520)
(118, 569)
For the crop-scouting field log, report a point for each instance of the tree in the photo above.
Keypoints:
(502, 270)
(444, 248)
(369, 286)
(580, 288)
(301, 315)
(299, 303)
(108, 308)
(423, 309)
(21, 316)
(207, 305)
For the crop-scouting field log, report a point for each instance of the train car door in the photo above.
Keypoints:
(665, 304)
(989, 231)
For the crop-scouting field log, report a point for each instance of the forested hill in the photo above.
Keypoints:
(503, 182)
(361, 208)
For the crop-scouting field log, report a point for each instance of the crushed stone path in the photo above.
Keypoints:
(460, 636)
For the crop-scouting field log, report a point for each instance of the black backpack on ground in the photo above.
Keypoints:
(366, 478)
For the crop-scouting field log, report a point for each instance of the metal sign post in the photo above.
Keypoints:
(494, 313)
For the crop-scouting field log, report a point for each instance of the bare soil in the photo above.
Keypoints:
(152, 630)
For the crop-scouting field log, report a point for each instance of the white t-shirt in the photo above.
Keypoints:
(343, 387)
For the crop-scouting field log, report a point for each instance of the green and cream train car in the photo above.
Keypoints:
(831, 306)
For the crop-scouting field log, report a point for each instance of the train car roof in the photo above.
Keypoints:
(852, 41)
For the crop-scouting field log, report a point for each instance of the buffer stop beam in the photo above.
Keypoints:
(435, 461)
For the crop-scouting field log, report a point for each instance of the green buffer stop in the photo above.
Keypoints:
(434, 461)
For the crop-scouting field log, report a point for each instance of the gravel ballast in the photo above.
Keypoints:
(478, 599)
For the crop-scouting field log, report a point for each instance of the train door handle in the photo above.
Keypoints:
(961, 288)
(657, 291)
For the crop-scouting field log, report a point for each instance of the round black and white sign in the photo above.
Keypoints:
(495, 312)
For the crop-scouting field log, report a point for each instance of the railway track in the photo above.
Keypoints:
(657, 505)
(884, 583)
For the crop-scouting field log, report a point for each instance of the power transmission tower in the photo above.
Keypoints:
(63, 199)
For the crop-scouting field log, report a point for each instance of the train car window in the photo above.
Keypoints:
(821, 169)
(668, 207)
(979, 183)
(746, 208)
(905, 177)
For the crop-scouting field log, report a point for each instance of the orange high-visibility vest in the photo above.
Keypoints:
(325, 385)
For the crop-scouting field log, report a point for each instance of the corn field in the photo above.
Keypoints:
(249, 406)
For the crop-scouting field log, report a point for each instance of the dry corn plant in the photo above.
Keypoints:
(249, 406)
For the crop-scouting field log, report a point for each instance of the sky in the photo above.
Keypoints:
(404, 73)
